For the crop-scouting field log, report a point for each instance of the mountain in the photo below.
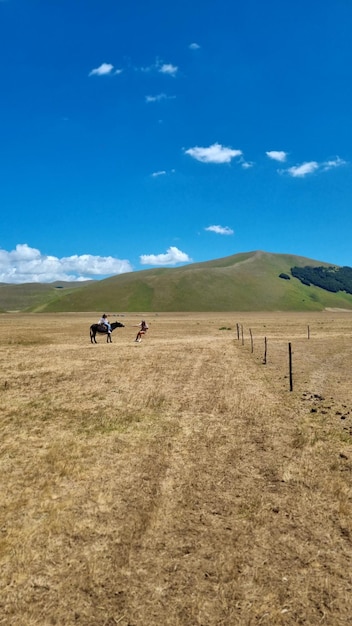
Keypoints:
(253, 281)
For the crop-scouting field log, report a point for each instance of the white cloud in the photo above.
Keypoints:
(246, 164)
(29, 265)
(103, 70)
(216, 153)
(168, 68)
(328, 165)
(171, 257)
(299, 171)
(159, 173)
(146, 69)
(220, 230)
(159, 66)
(162, 173)
(309, 167)
(159, 97)
(194, 46)
(277, 155)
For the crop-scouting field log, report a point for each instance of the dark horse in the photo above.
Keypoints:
(101, 329)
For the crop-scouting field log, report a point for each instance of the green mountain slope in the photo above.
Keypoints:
(242, 282)
(33, 296)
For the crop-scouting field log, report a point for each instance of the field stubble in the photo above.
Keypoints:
(177, 481)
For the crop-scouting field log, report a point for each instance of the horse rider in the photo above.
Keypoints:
(105, 322)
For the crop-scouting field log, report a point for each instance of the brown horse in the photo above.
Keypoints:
(102, 330)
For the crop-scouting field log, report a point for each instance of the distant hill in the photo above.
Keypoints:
(253, 281)
(32, 296)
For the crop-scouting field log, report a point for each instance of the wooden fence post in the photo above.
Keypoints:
(265, 350)
(308, 332)
(238, 331)
(290, 365)
(250, 332)
(242, 334)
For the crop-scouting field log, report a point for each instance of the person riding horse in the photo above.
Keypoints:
(103, 321)
(104, 330)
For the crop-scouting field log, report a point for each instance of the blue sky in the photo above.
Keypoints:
(152, 134)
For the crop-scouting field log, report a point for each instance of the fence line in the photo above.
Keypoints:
(239, 328)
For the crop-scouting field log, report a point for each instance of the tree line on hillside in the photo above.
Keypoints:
(329, 278)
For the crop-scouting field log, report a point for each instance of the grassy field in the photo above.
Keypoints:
(176, 482)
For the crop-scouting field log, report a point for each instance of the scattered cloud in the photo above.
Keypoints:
(328, 165)
(160, 173)
(220, 230)
(29, 265)
(309, 167)
(194, 46)
(171, 257)
(159, 97)
(161, 67)
(168, 68)
(146, 68)
(277, 155)
(104, 69)
(216, 153)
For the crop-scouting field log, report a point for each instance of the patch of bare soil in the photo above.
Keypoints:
(176, 482)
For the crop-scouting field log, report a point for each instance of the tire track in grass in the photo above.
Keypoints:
(230, 540)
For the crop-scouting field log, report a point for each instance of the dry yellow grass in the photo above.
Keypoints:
(176, 482)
